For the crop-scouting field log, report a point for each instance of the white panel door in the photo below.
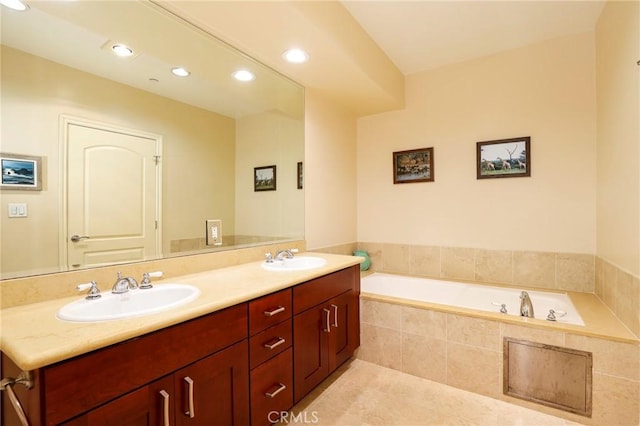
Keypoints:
(112, 196)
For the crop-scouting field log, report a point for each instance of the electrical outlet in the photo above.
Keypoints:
(214, 232)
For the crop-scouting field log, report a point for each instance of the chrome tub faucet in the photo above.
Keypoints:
(526, 307)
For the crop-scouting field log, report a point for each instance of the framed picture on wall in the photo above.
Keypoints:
(415, 165)
(503, 158)
(21, 172)
(264, 178)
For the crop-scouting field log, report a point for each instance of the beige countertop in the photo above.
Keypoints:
(33, 337)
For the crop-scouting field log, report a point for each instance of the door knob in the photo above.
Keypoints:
(76, 238)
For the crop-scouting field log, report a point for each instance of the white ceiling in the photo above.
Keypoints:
(425, 34)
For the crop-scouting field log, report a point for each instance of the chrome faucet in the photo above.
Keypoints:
(526, 307)
(285, 254)
(124, 284)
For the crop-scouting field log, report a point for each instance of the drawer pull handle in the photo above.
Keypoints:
(191, 412)
(278, 342)
(165, 406)
(335, 315)
(275, 311)
(327, 312)
(281, 387)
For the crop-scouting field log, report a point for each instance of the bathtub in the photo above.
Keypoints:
(471, 296)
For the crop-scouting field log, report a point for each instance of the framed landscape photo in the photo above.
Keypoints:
(264, 178)
(503, 158)
(21, 172)
(415, 165)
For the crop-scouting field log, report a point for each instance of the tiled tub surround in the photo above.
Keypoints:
(578, 272)
(543, 270)
(620, 291)
(463, 348)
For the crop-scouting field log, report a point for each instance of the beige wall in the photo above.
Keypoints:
(546, 91)
(262, 140)
(330, 172)
(618, 145)
(36, 92)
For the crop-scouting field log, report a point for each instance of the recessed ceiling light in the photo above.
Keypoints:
(243, 75)
(180, 72)
(122, 50)
(296, 56)
(15, 5)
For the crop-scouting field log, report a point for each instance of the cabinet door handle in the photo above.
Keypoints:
(327, 320)
(278, 342)
(275, 311)
(281, 387)
(191, 412)
(165, 406)
(335, 315)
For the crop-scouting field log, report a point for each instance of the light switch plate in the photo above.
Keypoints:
(18, 210)
(214, 232)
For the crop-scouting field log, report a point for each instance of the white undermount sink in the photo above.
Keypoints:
(298, 263)
(133, 303)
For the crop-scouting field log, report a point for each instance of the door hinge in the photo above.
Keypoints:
(156, 224)
(156, 159)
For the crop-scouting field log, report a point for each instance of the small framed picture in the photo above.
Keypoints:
(300, 175)
(21, 172)
(503, 158)
(264, 178)
(415, 165)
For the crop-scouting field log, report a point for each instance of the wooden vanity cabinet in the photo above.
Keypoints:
(326, 327)
(125, 380)
(271, 356)
(241, 365)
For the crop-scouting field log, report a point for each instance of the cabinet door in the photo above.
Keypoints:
(151, 405)
(344, 329)
(215, 390)
(310, 356)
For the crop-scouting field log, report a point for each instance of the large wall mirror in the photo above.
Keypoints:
(109, 159)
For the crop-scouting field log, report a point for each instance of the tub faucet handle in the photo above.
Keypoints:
(503, 306)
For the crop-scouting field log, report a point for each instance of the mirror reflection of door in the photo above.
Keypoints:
(113, 195)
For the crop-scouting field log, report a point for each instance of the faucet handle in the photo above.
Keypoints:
(269, 257)
(94, 291)
(146, 282)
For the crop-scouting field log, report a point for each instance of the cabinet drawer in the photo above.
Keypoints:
(269, 343)
(321, 289)
(272, 388)
(269, 310)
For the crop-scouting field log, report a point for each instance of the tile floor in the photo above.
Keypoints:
(361, 393)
